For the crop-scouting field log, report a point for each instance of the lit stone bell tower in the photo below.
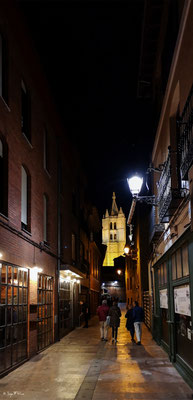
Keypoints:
(113, 233)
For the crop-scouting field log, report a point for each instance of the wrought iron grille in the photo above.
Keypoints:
(186, 136)
(164, 188)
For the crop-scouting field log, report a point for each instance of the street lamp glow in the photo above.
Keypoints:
(135, 184)
(119, 272)
(126, 249)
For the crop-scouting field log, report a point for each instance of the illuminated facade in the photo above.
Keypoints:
(113, 233)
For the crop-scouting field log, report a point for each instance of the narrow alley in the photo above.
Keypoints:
(81, 366)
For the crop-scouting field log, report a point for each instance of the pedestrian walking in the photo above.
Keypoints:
(85, 311)
(138, 317)
(115, 314)
(129, 322)
(102, 312)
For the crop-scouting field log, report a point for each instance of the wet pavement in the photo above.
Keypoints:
(82, 367)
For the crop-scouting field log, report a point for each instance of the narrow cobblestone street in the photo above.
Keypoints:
(80, 366)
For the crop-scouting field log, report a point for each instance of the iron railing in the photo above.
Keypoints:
(164, 188)
(169, 192)
(185, 123)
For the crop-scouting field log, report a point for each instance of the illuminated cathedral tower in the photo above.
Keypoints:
(113, 233)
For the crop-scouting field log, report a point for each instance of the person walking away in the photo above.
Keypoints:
(115, 314)
(138, 317)
(129, 322)
(86, 313)
(102, 312)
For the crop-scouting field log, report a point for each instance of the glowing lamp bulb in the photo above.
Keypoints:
(126, 250)
(135, 184)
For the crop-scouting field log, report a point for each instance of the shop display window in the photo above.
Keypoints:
(45, 307)
(180, 264)
(13, 315)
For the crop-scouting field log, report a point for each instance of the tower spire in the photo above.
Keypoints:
(114, 209)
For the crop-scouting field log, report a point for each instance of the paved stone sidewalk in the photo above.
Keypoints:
(82, 367)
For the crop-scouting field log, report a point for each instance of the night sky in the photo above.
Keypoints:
(90, 52)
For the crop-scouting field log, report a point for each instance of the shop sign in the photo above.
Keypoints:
(163, 298)
(182, 300)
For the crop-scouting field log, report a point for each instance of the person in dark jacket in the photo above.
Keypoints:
(85, 311)
(138, 317)
(102, 312)
(115, 314)
(129, 322)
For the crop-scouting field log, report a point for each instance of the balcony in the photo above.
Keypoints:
(169, 192)
(186, 137)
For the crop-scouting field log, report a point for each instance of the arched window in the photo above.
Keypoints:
(115, 236)
(111, 225)
(111, 236)
(3, 177)
(25, 200)
(115, 226)
(25, 111)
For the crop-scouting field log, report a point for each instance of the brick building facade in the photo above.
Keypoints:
(42, 187)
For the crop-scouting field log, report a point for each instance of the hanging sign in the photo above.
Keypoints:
(182, 300)
(163, 298)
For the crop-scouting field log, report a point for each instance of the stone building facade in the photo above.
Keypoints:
(113, 233)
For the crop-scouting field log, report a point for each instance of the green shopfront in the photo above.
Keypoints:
(173, 308)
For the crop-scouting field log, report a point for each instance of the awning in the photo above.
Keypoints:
(71, 271)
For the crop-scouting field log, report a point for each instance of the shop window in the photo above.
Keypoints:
(174, 275)
(45, 221)
(179, 263)
(25, 111)
(185, 260)
(25, 199)
(45, 311)
(180, 266)
(13, 315)
(3, 177)
(3, 69)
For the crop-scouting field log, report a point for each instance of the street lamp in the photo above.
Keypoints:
(135, 184)
(126, 249)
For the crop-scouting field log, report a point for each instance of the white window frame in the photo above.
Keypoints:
(24, 199)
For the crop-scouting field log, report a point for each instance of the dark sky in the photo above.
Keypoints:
(90, 52)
